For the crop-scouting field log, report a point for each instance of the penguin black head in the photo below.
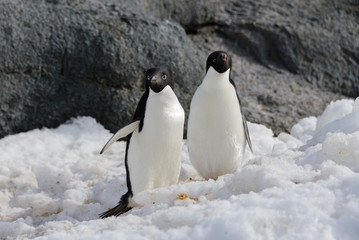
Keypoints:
(158, 78)
(220, 61)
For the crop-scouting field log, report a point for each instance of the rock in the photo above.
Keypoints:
(277, 99)
(190, 14)
(316, 39)
(59, 61)
(290, 59)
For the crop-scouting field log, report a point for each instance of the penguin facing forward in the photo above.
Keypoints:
(217, 130)
(154, 140)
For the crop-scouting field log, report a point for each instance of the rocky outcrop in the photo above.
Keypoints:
(316, 39)
(291, 58)
(60, 59)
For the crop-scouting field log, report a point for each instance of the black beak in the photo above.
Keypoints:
(153, 78)
(223, 57)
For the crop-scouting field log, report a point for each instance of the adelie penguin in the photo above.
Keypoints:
(217, 130)
(154, 140)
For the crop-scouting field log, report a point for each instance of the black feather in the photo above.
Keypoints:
(246, 132)
(123, 205)
(121, 208)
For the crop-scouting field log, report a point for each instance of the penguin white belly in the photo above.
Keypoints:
(154, 154)
(215, 131)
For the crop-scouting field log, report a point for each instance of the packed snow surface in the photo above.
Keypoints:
(303, 185)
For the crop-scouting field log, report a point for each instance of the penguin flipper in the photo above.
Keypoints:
(122, 207)
(246, 132)
(123, 132)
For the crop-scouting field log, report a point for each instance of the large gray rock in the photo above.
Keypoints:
(290, 58)
(190, 14)
(277, 99)
(316, 39)
(59, 61)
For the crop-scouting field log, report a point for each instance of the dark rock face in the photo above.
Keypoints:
(273, 97)
(316, 39)
(61, 59)
(291, 58)
(190, 14)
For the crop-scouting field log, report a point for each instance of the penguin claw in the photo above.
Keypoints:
(116, 211)
(124, 205)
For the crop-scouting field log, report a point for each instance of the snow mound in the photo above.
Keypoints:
(303, 185)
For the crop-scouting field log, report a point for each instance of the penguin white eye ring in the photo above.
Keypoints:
(214, 60)
(164, 77)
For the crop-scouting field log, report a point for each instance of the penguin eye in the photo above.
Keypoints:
(214, 60)
(164, 77)
(148, 77)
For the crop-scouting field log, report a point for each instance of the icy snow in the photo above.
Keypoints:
(303, 185)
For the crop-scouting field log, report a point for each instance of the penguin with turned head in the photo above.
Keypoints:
(217, 130)
(154, 140)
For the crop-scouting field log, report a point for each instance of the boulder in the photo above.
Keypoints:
(60, 61)
(316, 39)
(290, 59)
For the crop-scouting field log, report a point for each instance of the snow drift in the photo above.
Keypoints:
(302, 185)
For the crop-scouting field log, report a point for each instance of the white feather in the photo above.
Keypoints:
(154, 154)
(123, 132)
(215, 132)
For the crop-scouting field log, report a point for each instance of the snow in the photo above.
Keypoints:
(302, 185)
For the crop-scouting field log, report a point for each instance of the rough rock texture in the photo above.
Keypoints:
(316, 39)
(274, 98)
(190, 14)
(297, 55)
(60, 59)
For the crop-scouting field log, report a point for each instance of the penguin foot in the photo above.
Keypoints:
(116, 211)
(122, 207)
(183, 196)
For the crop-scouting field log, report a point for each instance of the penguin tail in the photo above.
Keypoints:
(122, 207)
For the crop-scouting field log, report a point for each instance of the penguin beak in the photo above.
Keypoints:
(153, 78)
(223, 57)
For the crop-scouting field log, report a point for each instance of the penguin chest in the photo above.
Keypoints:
(155, 153)
(215, 131)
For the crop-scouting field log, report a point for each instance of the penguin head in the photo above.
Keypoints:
(220, 61)
(158, 78)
